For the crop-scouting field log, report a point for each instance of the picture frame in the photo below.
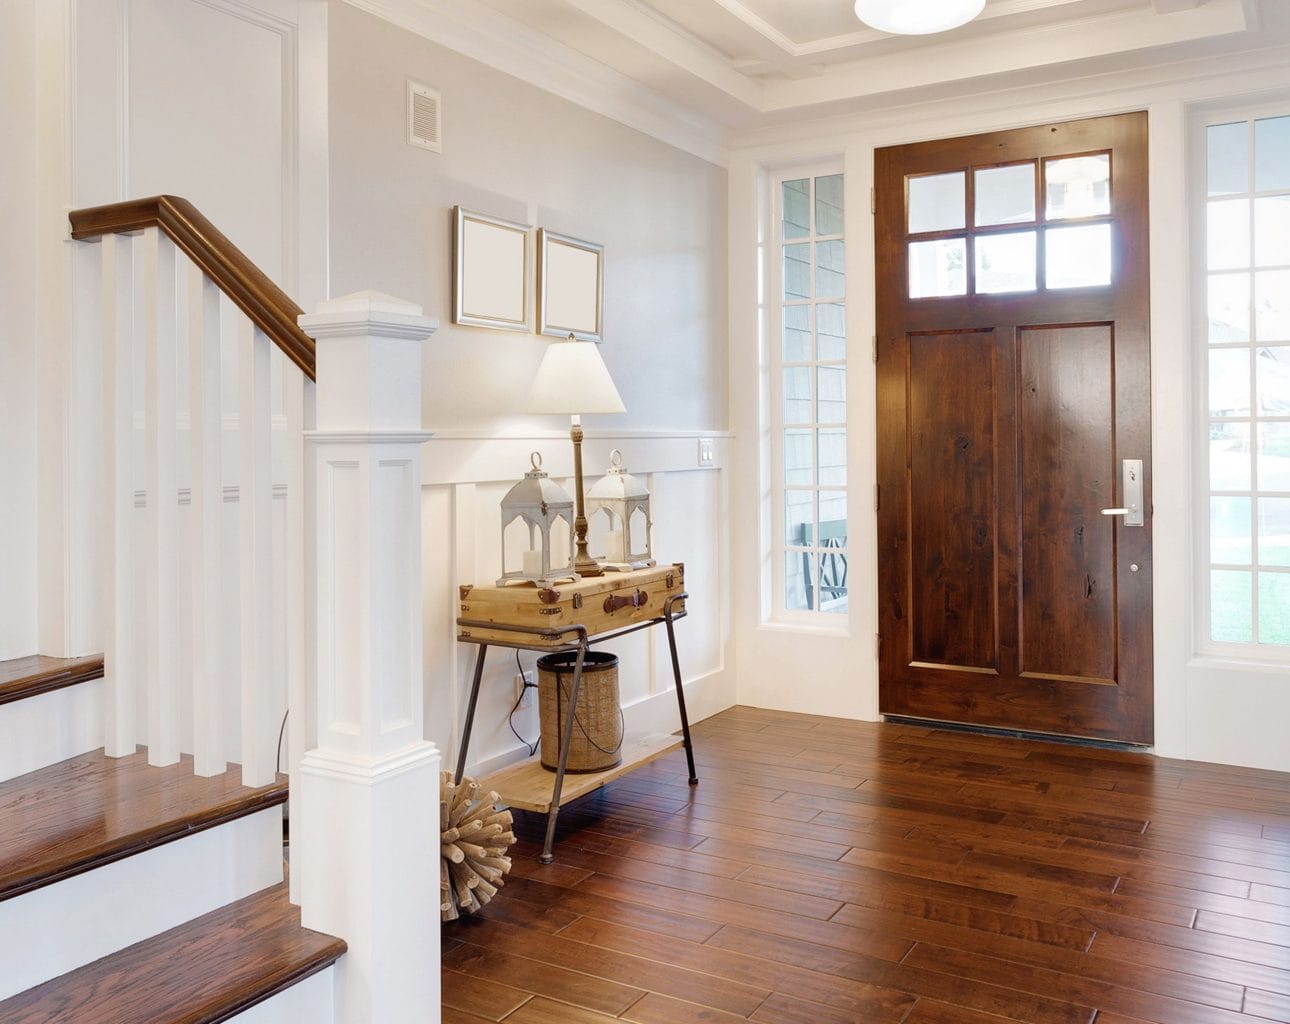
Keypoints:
(571, 286)
(490, 271)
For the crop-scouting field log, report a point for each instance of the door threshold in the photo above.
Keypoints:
(1020, 734)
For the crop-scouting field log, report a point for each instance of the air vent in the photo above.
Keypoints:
(425, 117)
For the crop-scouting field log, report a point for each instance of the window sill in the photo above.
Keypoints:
(813, 629)
(1267, 665)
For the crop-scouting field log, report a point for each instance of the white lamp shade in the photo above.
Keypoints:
(917, 17)
(572, 379)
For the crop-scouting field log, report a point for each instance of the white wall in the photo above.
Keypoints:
(515, 151)
(1205, 709)
(18, 328)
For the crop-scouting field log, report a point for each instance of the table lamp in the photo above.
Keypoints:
(572, 380)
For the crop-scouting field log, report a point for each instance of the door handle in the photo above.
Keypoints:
(1131, 490)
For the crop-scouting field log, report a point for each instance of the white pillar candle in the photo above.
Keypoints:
(614, 545)
(532, 563)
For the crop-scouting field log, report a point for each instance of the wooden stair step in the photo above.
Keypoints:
(202, 972)
(91, 810)
(27, 677)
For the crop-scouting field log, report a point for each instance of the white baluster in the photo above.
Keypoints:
(255, 543)
(296, 386)
(163, 496)
(209, 749)
(121, 670)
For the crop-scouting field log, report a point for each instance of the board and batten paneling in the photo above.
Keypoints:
(465, 479)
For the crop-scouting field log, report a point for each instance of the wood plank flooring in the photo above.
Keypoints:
(832, 872)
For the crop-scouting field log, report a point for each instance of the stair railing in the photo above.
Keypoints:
(175, 292)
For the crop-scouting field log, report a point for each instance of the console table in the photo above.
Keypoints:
(527, 785)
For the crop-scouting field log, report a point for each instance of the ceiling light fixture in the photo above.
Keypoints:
(917, 17)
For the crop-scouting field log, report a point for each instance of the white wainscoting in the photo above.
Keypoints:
(465, 478)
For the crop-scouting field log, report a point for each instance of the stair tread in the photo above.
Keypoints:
(92, 809)
(198, 973)
(27, 677)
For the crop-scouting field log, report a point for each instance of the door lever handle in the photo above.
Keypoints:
(1115, 511)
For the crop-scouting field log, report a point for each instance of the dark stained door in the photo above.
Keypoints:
(1013, 379)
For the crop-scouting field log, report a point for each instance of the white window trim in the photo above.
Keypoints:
(777, 614)
(1207, 651)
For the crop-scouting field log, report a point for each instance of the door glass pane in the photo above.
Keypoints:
(1229, 531)
(1273, 456)
(1229, 456)
(1272, 305)
(799, 517)
(799, 573)
(831, 330)
(1005, 263)
(1231, 603)
(1078, 186)
(797, 271)
(830, 270)
(1274, 531)
(1271, 153)
(797, 208)
(833, 457)
(1228, 151)
(938, 268)
(797, 394)
(832, 582)
(1229, 382)
(937, 202)
(1229, 308)
(832, 394)
(1004, 195)
(1272, 367)
(1078, 257)
(828, 205)
(797, 457)
(1274, 608)
(797, 334)
(1272, 231)
(1227, 234)
(833, 517)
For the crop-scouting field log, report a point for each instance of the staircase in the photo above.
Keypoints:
(142, 793)
(139, 894)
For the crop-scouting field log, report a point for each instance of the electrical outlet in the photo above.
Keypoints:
(525, 688)
(707, 454)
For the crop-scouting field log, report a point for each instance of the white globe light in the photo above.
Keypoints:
(917, 17)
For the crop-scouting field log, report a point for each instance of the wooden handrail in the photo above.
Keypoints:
(268, 306)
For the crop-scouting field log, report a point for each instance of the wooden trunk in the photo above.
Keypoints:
(603, 604)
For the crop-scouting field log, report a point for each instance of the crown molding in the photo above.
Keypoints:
(492, 38)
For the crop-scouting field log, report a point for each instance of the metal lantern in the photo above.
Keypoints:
(626, 501)
(545, 508)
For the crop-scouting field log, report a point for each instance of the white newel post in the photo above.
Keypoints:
(365, 823)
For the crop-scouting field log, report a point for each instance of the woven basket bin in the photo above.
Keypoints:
(597, 738)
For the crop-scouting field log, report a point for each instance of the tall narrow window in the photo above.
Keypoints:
(1247, 356)
(809, 413)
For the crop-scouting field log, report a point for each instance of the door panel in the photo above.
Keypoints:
(1006, 597)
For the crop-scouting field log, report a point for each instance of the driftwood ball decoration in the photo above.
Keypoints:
(474, 838)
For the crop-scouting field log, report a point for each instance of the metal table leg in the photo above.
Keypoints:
(680, 690)
(470, 712)
(566, 740)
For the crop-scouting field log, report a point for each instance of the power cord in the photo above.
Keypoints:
(519, 699)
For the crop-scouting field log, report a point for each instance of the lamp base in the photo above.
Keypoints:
(588, 566)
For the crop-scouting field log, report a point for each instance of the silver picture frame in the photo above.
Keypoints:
(571, 286)
(490, 271)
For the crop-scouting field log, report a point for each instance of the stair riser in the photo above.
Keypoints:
(312, 1000)
(87, 916)
(50, 727)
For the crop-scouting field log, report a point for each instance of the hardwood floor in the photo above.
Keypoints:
(832, 872)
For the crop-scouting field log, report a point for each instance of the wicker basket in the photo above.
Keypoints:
(597, 739)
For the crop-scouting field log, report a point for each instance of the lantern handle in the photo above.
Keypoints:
(535, 460)
(616, 459)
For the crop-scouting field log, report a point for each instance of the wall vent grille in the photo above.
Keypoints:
(425, 117)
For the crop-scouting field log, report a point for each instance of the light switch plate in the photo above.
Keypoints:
(707, 455)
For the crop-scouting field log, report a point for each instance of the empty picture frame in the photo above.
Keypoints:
(490, 271)
(571, 276)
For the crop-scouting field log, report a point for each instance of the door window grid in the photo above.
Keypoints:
(809, 397)
(1010, 228)
(1246, 338)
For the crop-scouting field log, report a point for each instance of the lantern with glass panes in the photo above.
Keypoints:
(625, 502)
(546, 509)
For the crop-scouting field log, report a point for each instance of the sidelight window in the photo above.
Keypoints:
(809, 396)
(1245, 285)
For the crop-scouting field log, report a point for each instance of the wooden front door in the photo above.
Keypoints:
(1013, 382)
